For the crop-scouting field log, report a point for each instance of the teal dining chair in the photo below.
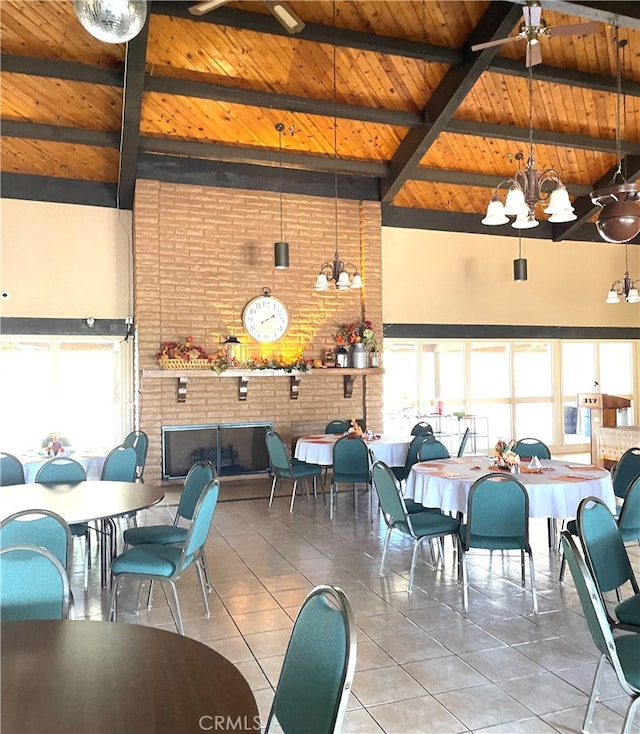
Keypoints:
(197, 480)
(38, 527)
(431, 449)
(167, 563)
(34, 583)
(527, 448)
(351, 465)
(625, 471)
(65, 470)
(11, 470)
(609, 563)
(463, 442)
(284, 468)
(419, 526)
(402, 472)
(621, 651)
(422, 429)
(497, 519)
(139, 442)
(313, 688)
(120, 465)
(337, 427)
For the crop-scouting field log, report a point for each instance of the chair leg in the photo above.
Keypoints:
(384, 551)
(563, 565)
(593, 698)
(465, 580)
(87, 561)
(138, 607)
(273, 488)
(113, 605)
(523, 582)
(150, 596)
(631, 712)
(293, 495)
(534, 592)
(205, 568)
(333, 491)
(204, 590)
(178, 618)
(414, 558)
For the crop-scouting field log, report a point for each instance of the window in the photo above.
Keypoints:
(70, 385)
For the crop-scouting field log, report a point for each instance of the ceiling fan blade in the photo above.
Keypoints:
(489, 44)
(285, 16)
(577, 29)
(207, 6)
(532, 15)
(534, 54)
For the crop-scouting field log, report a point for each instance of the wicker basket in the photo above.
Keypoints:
(184, 364)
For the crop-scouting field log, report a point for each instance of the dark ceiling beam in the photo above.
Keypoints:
(57, 134)
(567, 77)
(626, 12)
(134, 64)
(315, 32)
(285, 102)
(58, 190)
(261, 156)
(71, 71)
(585, 208)
(497, 21)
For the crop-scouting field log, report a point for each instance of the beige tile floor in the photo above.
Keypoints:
(422, 664)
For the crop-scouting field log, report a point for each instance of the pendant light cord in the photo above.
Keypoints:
(335, 130)
(280, 128)
(620, 45)
(530, 85)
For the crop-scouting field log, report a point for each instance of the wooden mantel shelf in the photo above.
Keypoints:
(348, 375)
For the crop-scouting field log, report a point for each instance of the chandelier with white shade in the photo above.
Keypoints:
(529, 187)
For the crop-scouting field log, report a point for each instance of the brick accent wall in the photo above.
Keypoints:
(200, 254)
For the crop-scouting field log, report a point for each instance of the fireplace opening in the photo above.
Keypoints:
(233, 448)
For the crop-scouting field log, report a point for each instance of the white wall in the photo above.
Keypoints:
(64, 260)
(449, 278)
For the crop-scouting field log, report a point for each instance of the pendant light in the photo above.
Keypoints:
(281, 248)
(520, 263)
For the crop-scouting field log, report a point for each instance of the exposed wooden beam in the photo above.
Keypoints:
(134, 76)
(58, 69)
(265, 23)
(625, 12)
(497, 21)
(55, 133)
(59, 190)
(585, 208)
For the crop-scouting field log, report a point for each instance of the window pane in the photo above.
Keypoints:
(400, 386)
(450, 363)
(534, 420)
(533, 370)
(498, 419)
(578, 368)
(616, 375)
(428, 393)
(489, 370)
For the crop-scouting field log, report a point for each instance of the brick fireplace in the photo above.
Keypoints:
(200, 254)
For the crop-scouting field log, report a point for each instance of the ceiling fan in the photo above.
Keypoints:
(534, 28)
(280, 11)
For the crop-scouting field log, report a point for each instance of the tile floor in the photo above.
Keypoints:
(422, 664)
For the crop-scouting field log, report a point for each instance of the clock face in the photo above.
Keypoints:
(265, 318)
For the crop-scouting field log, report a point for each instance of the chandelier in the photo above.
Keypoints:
(529, 187)
(344, 275)
(280, 248)
(619, 217)
(625, 287)
(111, 21)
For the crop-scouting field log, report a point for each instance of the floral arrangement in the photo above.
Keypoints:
(54, 444)
(504, 453)
(187, 351)
(298, 363)
(356, 332)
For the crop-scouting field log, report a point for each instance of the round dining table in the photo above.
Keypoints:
(92, 463)
(554, 492)
(318, 448)
(80, 502)
(90, 677)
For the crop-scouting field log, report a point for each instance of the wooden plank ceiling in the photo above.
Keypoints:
(384, 94)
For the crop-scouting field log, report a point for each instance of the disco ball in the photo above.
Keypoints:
(112, 21)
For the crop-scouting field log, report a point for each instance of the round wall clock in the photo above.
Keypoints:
(265, 318)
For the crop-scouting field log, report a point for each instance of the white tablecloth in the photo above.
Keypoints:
(92, 465)
(556, 492)
(318, 449)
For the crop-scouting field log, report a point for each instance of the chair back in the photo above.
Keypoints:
(625, 471)
(337, 426)
(431, 449)
(61, 469)
(603, 547)
(202, 517)
(139, 441)
(351, 458)
(42, 528)
(422, 429)
(629, 519)
(277, 452)
(497, 513)
(34, 583)
(197, 479)
(318, 667)
(527, 448)
(390, 497)
(120, 465)
(593, 608)
(463, 442)
(11, 470)
(412, 453)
